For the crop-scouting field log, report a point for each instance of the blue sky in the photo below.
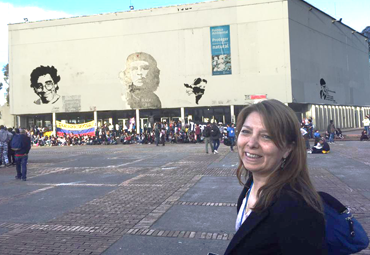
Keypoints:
(355, 13)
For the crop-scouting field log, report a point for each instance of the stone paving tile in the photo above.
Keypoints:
(178, 170)
(45, 242)
(127, 205)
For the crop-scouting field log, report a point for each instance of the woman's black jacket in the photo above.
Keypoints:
(288, 226)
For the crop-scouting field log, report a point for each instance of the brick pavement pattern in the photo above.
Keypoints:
(143, 183)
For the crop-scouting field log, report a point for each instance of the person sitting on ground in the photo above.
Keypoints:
(317, 136)
(322, 147)
(339, 134)
(364, 136)
(47, 141)
(112, 140)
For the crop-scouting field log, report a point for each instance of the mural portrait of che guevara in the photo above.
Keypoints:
(44, 81)
(141, 78)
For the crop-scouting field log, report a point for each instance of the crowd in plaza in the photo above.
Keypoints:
(158, 133)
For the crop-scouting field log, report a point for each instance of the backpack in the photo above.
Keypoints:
(206, 132)
(16, 143)
(344, 234)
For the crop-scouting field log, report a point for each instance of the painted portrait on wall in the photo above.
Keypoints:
(141, 78)
(44, 81)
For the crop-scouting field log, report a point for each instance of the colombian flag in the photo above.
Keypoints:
(87, 128)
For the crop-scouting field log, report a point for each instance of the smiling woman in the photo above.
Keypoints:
(279, 211)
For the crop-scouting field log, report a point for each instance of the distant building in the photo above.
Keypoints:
(6, 118)
(201, 61)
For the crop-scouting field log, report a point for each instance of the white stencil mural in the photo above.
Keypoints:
(197, 88)
(141, 78)
(325, 93)
(44, 81)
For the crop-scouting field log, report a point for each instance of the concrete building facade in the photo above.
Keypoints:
(191, 62)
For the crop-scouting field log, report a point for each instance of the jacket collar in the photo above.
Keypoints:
(249, 224)
(247, 227)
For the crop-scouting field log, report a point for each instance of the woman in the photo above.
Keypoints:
(279, 211)
(215, 137)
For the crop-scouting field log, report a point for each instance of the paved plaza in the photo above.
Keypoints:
(143, 199)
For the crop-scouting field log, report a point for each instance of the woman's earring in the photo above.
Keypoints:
(283, 163)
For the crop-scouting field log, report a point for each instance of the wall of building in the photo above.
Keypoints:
(329, 60)
(343, 116)
(90, 56)
(6, 118)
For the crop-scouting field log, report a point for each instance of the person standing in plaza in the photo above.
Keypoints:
(305, 137)
(197, 132)
(231, 136)
(21, 155)
(163, 136)
(207, 137)
(157, 133)
(331, 130)
(366, 122)
(4, 139)
(11, 158)
(310, 128)
(215, 137)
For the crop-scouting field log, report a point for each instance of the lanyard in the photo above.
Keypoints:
(245, 205)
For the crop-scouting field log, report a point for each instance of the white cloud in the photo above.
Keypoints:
(16, 14)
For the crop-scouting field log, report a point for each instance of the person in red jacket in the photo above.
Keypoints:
(198, 132)
(21, 155)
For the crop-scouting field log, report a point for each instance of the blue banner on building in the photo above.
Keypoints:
(221, 52)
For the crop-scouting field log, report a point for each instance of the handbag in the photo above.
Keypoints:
(344, 234)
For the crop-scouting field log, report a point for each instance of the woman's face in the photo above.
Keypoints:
(139, 71)
(257, 151)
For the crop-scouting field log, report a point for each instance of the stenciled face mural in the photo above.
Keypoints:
(44, 81)
(197, 88)
(141, 78)
(325, 92)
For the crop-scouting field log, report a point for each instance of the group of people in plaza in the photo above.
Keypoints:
(156, 133)
(15, 145)
(213, 134)
(321, 145)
